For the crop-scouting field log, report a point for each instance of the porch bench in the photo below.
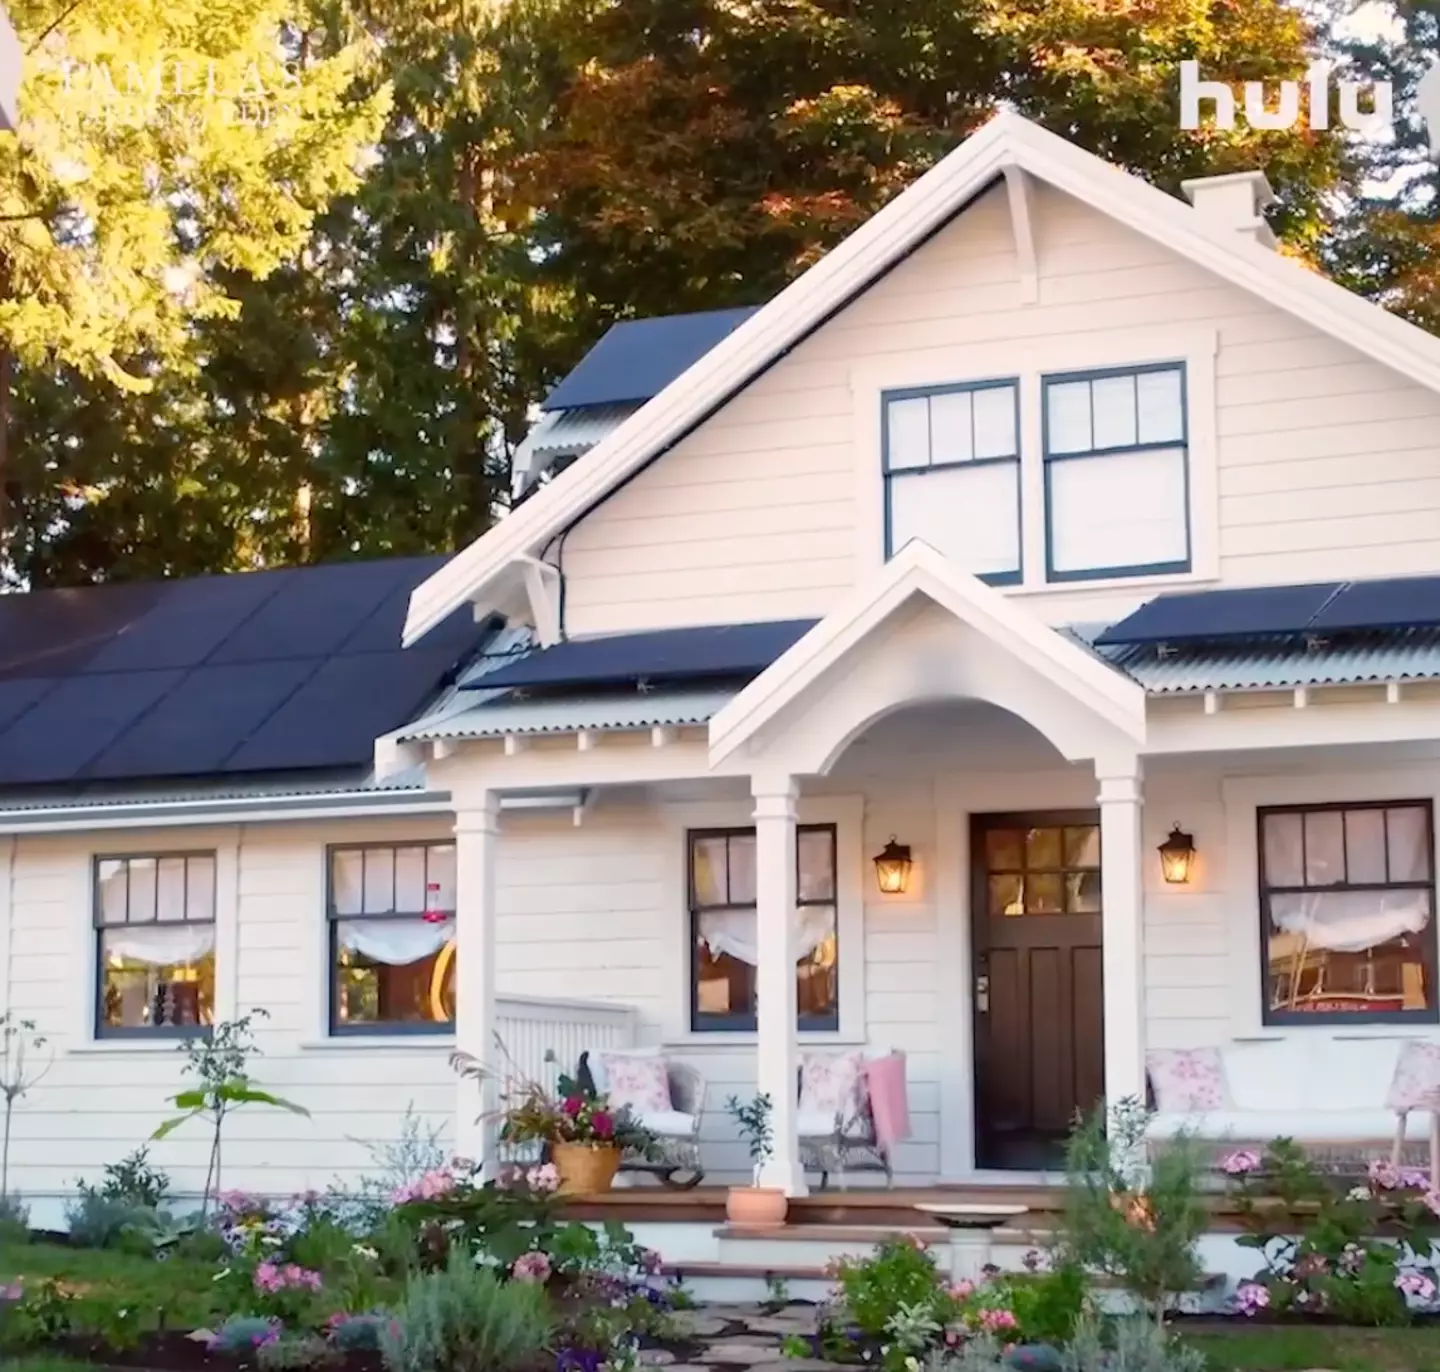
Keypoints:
(1325, 1092)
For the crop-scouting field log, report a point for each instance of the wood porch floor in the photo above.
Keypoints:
(861, 1206)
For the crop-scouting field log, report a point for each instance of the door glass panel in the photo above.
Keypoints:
(1007, 894)
(1044, 893)
(1042, 848)
(1082, 893)
(1082, 846)
(1004, 850)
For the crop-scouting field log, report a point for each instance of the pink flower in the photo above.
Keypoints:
(1415, 1178)
(963, 1290)
(1241, 1162)
(992, 1321)
(1384, 1175)
(603, 1123)
(572, 1106)
(13, 1292)
(1416, 1284)
(1432, 1202)
(1251, 1298)
(650, 1261)
(267, 1277)
(543, 1178)
(434, 917)
(531, 1267)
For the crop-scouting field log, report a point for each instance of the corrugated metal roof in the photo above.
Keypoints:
(562, 433)
(496, 718)
(637, 358)
(1398, 655)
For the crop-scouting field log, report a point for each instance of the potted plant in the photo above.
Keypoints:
(754, 1206)
(580, 1130)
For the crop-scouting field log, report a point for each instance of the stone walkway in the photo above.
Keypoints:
(742, 1338)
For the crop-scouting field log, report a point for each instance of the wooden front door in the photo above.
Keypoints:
(1039, 1031)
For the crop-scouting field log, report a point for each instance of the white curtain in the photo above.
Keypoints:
(1350, 921)
(733, 932)
(154, 946)
(395, 942)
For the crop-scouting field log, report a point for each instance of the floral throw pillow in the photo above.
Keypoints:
(1416, 1084)
(830, 1083)
(637, 1080)
(1186, 1079)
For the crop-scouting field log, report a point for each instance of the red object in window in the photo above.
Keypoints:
(432, 895)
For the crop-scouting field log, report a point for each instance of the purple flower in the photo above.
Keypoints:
(650, 1261)
(603, 1123)
(1251, 1298)
(1384, 1175)
(1241, 1163)
(1416, 1284)
(573, 1105)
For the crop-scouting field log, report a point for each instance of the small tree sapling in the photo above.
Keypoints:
(20, 1045)
(753, 1121)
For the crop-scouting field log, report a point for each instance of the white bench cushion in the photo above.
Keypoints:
(667, 1123)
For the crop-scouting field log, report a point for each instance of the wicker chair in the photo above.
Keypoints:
(675, 1159)
(847, 1145)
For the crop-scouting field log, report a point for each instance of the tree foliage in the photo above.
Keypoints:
(353, 382)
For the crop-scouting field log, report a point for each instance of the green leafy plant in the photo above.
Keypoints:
(20, 1072)
(243, 1334)
(134, 1179)
(753, 1120)
(42, 1315)
(1139, 1225)
(219, 1062)
(96, 1220)
(464, 1319)
(1135, 1344)
(1047, 1304)
(14, 1221)
(1332, 1246)
(777, 1292)
(293, 1351)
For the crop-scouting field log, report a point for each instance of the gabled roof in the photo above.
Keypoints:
(918, 570)
(1007, 141)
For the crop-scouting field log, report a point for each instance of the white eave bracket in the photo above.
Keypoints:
(1022, 221)
(542, 591)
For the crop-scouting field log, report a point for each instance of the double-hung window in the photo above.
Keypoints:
(952, 474)
(155, 943)
(392, 937)
(1347, 911)
(1116, 473)
(724, 935)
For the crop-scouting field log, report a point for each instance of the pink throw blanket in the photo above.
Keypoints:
(889, 1105)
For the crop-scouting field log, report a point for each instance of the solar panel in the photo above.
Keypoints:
(1248, 612)
(55, 633)
(18, 695)
(315, 610)
(1399, 603)
(188, 622)
(78, 719)
(673, 654)
(202, 721)
(637, 358)
(380, 633)
(335, 717)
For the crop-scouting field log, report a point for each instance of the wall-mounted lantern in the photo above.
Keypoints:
(892, 868)
(1177, 857)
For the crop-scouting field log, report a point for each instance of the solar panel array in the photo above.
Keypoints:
(725, 650)
(1265, 611)
(637, 358)
(286, 670)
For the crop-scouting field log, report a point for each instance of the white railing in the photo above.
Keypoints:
(539, 1038)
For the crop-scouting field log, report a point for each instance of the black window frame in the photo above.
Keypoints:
(100, 1029)
(1176, 566)
(889, 474)
(1356, 1019)
(732, 1024)
(378, 1028)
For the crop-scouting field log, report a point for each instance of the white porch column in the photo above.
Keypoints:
(477, 832)
(1122, 878)
(775, 1006)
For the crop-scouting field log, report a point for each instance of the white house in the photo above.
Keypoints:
(1046, 515)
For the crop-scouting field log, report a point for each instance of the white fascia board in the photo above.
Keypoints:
(11, 64)
(919, 569)
(1007, 141)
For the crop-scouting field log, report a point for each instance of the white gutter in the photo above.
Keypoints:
(136, 814)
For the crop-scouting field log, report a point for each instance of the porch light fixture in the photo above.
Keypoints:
(892, 868)
(1177, 857)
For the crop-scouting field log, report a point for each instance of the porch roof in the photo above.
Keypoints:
(510, 714)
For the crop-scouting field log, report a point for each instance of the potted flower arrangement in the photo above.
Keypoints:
(755, 1205)
(583, 1135)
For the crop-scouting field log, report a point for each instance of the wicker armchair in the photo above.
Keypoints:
(675, 1159)
(842, 1145)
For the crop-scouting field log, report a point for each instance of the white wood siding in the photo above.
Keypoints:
(1328, 464)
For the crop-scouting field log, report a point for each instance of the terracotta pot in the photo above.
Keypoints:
(585, 1168)
(752, 1207)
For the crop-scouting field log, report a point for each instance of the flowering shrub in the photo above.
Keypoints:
(533, 1266)
(1363, 1253)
